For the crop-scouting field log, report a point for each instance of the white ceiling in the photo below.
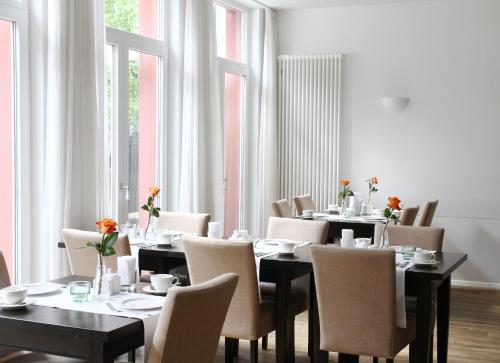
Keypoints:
(297, 4)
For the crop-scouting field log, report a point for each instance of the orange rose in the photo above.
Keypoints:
(374, 180)
(394, 203)
(106, 226)
(154, 190)
(344, 182)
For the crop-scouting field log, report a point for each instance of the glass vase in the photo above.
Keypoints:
(98, 284)
(343, 208)
(384, 239)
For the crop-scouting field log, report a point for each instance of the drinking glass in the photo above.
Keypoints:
(408, 252)
(80, 291)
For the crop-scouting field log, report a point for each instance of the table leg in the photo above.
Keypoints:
(317, 356)
(131, 356)
(424, 306)
(99, 353)
(284, 322)
(348, 358)
(443, 320)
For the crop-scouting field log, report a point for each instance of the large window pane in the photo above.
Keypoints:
(135, 16)
(232, 122)
(229, 31)
(142, 117)
(6, 146)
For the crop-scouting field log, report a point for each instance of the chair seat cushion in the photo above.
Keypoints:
(299, 297)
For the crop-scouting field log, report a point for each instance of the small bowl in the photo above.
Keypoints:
(15, 294)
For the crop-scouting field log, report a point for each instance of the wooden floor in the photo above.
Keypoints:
(474, 332)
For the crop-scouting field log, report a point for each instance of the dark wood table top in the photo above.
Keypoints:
(448, 262)
(325, 218)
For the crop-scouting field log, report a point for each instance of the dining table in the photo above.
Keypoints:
(94, 337)
(426, 284)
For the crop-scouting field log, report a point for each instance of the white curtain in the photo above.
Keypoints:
(66, 44)
(195, 149)
(262, 180)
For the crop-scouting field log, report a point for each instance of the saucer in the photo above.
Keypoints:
(150, 290)
(426, 264)
(27, 302)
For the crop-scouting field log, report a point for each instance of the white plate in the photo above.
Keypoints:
(374, 218)
(275, 242)
(26, 303)
(42, 288)
(141, 303)
(151, 290)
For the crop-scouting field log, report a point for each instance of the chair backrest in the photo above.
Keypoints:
(190, 323)
(303, 202)
(427, 213)
(297, 230)
(356, 292)
(408, 216)
(281, 209)
(427, 238)
(4, 272)
(207, 258)
(83, 261)
(195, 223)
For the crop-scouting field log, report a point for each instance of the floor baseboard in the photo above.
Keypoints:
(476, 284)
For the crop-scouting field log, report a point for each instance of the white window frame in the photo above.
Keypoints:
(122, 42)
(17, 12)
(240, 69)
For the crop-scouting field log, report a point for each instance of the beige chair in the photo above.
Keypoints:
(4, 272)
(408, 216)
(191, 321)
(250, 316)
(297, 230)
(427, 213)
(427, 238)
(188, 328)
(193, 223)
(357, 312)
(83, 261)
(303, 202)
(281, 209)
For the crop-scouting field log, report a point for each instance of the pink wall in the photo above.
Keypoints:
(148, 16)
(232, 117)
(6, 217)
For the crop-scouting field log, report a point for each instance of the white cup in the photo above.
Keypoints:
(346, 242)
(214, 226)
(163, 282)
(307, 212)
(362, 242)
(424, 256)
(378, 212)
(286, 247)
(333, 207)
(15, 294)
(165, 238)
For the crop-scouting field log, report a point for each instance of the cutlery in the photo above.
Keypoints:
(404, 264)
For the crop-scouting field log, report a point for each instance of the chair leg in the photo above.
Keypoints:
(413, 352)
(131, 356)
(229, 349)
(431, 349)
(254, 351)
(323, 356)
(236, 348)
(310, 328)
(264, 342)
(375, 360)
(389, 360)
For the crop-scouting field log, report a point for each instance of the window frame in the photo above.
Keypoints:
(123, 42)
(17, 12)
(242, 69)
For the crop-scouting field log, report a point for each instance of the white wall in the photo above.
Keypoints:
(444, 55)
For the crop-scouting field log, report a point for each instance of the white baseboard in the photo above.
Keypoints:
(476, 284)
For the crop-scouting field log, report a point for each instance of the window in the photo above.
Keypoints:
(14, 138)
(135, 63)
(231, 45)
(6, 142)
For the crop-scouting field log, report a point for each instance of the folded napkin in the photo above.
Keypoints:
(400, 290)
(126, 269)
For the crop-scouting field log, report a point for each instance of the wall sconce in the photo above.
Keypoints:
(395, 104)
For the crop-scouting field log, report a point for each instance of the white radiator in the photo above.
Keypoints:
(308, 126)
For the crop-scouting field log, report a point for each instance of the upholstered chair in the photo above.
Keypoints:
(281, 209)
(4, 272)
(193, 223)
(427, 213)
(357, 312)
(191, 321)
(83, 261)
(250, 316)
(185, 332)
(427, 238)
(303, 202)
(408, 216)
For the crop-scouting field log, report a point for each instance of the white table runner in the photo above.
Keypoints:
(63, 300)
(400, 290)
